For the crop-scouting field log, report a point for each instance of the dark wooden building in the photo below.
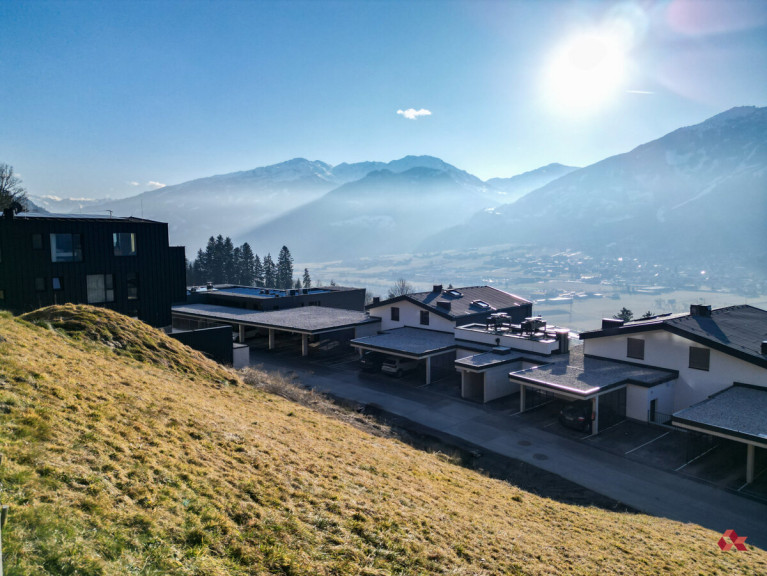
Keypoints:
(121, 263)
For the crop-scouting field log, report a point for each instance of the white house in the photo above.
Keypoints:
(422, 326)
(720, 358)
(710, 349)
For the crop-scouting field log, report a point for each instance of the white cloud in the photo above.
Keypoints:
(412, 113)
(134, 183)
(639, 92)
(155, 185)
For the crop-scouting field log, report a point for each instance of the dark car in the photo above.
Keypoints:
(371, 361)
(577, 415)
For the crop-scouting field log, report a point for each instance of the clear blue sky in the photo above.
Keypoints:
(104, 98)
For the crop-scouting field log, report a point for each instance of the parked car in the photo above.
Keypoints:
(577, 415)
(371, 361)
(398, 366)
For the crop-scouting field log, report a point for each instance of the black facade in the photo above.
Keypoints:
(120, 263)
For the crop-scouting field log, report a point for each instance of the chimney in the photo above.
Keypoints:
(8, 213)
(376, 299)
(437, 288)
(608, 323)
(704, 311)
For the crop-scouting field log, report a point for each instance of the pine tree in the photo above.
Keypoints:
(247, 266)
(213, 261)
(258, 272)
(307, 279)
(227, 260)
(284, 269)
(236, 277)
(297, 284)
(270, 272)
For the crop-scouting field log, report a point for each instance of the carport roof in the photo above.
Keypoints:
(479, 362)
(308, 320)
(412, 342)
(737, 412)
(586, 376)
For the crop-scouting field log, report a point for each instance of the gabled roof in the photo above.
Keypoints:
(463, 301)
(735, 330)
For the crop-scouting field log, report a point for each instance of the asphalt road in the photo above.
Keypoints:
(642, 487)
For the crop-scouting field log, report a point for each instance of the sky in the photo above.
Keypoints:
(110, 99)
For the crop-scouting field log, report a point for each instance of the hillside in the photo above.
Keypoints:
(126, 453)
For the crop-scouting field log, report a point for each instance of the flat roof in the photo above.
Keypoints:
(252, 292)
(308, 319)
(100, 217)
(586, 376)
(739, 412)
(498, 358)
(413, 342)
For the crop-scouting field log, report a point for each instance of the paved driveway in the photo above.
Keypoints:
(646, 488)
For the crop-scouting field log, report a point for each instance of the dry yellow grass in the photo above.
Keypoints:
(127, 454)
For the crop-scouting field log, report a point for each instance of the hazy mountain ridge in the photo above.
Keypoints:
(521, 184)
(699, 188)
(384, 212)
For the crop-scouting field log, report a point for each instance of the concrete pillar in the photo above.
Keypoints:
(595, 412)
(304, 344)
(428, 370)
(750, 463)
(521, 397)
(463, 383)
(271, 338)
(242, 334)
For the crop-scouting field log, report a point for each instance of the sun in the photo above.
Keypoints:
(585, 73)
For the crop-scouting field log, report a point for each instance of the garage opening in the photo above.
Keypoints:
(474, 386)
(612, 408)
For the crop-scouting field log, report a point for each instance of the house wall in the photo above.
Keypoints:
(497, 383)
(410, 315)
(370, 329)
(159, 268)
(666, 350)
(546, 346)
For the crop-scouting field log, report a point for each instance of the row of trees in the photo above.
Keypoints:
(224, 263)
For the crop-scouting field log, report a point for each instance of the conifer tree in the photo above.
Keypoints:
(270, 272)
(247, 266)
(258, 272)
(284, 269)
(307, 279)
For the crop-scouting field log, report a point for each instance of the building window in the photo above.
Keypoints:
(425, 317)
(40, 284)
(66, 248)
(124, 243)
(56, 283)
(699, 358)
(394, 314)
(100, 288)
(132, 286)
(37, 241)
(635, 348)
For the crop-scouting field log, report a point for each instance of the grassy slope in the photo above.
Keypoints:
(125, 453)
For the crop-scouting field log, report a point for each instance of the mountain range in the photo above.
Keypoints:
(699, 189)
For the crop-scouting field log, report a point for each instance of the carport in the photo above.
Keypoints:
(412, 343)
(737, 413)
(579, 377)
(307, 321)
(485, 376)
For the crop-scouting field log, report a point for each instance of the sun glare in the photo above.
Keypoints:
(585, 73)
